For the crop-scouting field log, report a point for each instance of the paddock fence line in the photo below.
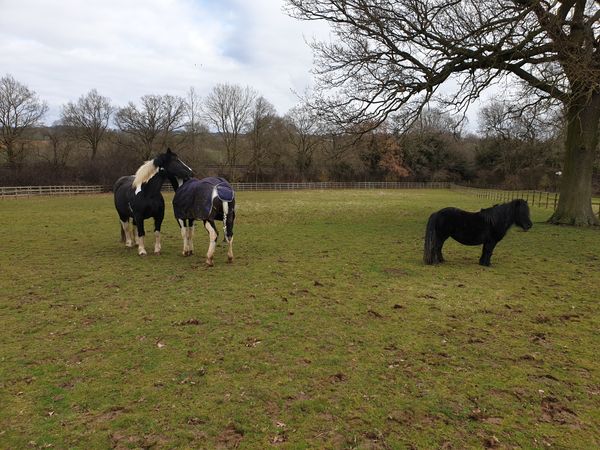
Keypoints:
(28, 191)
(541, 199)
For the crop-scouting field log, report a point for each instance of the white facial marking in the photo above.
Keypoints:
(138, 190)
(186, 166)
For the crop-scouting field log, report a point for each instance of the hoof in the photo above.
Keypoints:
(157, 253)
(230, 259)
(143, 254)
(209, 263)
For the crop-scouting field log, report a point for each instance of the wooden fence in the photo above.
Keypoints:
(541, 199)
(28, 191)
(535, 198)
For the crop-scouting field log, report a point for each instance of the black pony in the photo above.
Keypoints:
(138, 197)
(486, 227)
(208, 200)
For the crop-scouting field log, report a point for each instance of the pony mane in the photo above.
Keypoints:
(505, 214)
(144, 173)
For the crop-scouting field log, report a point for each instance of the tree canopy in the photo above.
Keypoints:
(394, 57)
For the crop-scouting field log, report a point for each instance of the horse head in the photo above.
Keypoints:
(173, 166)
(522, 214)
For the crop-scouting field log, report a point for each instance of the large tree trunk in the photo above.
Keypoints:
(575, 202)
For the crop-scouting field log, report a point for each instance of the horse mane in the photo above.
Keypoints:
(500, 215)
(504, 215)
(144, 173)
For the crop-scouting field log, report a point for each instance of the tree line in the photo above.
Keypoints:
(236, 132)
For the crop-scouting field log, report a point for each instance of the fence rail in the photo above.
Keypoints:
(535, 198)
(541, 199)
(340, 185)
(28, 191)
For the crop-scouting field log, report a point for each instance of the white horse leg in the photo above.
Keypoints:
(125, 226)
(191, 239)
(212, 236)
(141, 248)
(157, 246)
(183, 229)
(230, 249)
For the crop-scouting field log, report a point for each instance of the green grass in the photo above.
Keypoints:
(326, 332)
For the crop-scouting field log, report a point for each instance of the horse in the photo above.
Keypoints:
(486, 227)
(208, 200)
(138, 197)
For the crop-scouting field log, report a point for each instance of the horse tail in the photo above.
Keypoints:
(429, 253)
(225, 213)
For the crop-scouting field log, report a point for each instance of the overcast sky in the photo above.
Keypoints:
(129, 48)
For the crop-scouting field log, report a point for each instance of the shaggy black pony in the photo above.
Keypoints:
(138, 197)
(486, 227)
(208, 200)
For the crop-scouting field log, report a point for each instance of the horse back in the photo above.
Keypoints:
(465, 227)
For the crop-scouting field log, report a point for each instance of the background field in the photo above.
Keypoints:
(327, 331)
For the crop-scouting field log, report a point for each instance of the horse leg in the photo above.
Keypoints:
(141, 233)
(212, 236)
(157, 224)
(184, 236)
(486, 254)
(126, 233)
(190, 234)
(438, 252)
(134, 232)
(229, 249)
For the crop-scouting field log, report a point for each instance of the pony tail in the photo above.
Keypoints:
(429, 255)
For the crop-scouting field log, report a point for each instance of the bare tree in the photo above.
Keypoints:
(228, 108)
(61, 145)
(193, 110)
(262, 119)
(396, 55)
(20, 110)
(153, 123)
(88, 118)
(304, 135)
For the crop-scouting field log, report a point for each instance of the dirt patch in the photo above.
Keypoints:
(231, 437)
(553, 411)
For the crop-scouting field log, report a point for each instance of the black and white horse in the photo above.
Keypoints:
(138, 197)
(486, 227)
(208, 200)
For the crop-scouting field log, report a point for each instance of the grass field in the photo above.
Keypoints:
(326, 332)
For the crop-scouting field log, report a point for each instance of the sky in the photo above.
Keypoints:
(129, 48)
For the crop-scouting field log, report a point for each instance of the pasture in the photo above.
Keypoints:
(326, 332)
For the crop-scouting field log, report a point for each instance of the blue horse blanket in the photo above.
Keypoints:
(194, 199)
